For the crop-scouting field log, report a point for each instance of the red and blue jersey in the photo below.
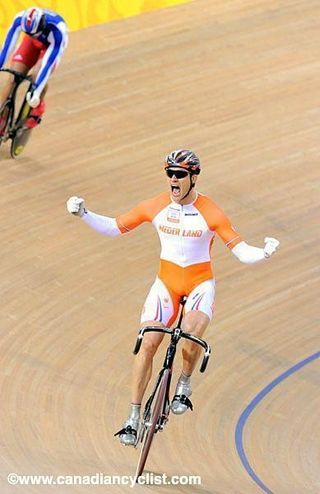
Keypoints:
(53, 38)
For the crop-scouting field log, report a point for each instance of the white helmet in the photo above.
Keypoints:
(33, 20)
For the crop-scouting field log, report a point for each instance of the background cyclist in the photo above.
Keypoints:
(41, 48)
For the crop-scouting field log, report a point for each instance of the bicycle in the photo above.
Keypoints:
(11, 127)
(157, 408)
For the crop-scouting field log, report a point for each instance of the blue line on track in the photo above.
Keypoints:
(252, 405)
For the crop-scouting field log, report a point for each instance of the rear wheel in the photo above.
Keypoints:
(154, 419)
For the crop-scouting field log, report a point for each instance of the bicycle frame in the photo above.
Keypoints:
(11, 100)
(155, 417)
(176, 335)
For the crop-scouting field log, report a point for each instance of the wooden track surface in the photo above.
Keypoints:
(238, 82)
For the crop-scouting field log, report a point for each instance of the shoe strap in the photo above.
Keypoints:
(126, 430)
(184, 400)
(35, 117)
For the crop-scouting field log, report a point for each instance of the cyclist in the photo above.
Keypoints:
(187, 223)
(41, 48)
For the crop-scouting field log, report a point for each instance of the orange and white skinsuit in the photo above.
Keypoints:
(186, 235)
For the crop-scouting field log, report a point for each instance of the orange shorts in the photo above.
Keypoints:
(173, 282)
(181, 280)
(29, 51)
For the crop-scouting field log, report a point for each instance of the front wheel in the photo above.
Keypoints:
(153, 419)
(19, 141)
(21, 134)
(5, 114)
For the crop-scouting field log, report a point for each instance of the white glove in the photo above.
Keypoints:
(33, 99)
(75, 205)
(271, 246)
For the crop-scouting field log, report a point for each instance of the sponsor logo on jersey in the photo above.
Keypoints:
(173, 215)
(178, 231)
(192, 233)
(169, 229)
(166, 303)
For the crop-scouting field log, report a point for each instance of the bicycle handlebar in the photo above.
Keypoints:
(188, 336)
(18, 77)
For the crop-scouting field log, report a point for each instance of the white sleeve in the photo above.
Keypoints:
(248, 254)
(102, 224)
(58, 39)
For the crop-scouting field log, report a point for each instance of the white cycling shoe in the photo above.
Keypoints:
(128, 434)
(181, 402)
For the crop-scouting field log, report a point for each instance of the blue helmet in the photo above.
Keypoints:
(33, 20)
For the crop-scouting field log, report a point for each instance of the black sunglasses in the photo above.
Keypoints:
(177, 173)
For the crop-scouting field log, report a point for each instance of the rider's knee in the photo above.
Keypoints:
(149, 346)
(195, 323)
(194, 327)
(151, 341)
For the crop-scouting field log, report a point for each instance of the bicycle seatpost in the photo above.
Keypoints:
(182, 304)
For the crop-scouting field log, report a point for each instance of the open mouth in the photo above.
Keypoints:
(175, 189)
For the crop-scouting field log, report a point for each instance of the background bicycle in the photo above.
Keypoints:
(13, 115)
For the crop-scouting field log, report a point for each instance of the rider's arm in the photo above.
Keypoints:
(11, 40)
(223, 227)
(115, 226)
(145, 211)
(57, 39)
(250, 255)
(138, 215)
(102, 224)
(112, 226)
(247, 254)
